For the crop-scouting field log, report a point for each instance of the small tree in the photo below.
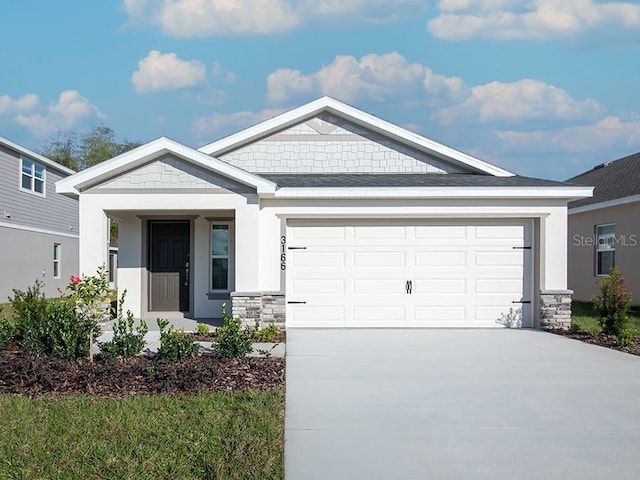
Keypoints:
(613, 304)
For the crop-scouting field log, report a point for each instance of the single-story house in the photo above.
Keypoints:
(604, 230)
(327, 216)
(39, 228)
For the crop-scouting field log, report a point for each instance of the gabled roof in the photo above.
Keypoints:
(613, 181)
(73, 185)
(358, 117)
(36, 156)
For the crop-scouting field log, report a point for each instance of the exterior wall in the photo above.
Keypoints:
(29, 226)
(52, 212)
(330, 145)
(582, 251)
(30, 257)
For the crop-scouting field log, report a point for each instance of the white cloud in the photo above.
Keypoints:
(70, 110)
(203, 18)
(607, 133)
(166, 71)
(537, 19)
(374, 77)
(234, 121)
(518, 101)
(23, 104)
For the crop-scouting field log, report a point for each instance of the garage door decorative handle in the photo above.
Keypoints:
(409, 287)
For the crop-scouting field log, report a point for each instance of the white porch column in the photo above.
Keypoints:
(553, 250)
(248, 248)
(94, 236)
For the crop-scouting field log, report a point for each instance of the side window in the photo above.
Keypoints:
(32, 176)
(57, 253)
(605, 248)
(219, 256)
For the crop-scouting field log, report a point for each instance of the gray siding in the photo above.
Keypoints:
(30, 256)
(52, 212)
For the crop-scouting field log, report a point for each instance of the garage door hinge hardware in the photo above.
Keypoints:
(296, 248)
(409, 287)
(522, 248)
(521, 301)
(296, 303)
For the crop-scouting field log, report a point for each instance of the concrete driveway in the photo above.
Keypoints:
(458, 404)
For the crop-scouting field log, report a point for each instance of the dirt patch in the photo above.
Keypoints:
(603, 340)
(143, 375)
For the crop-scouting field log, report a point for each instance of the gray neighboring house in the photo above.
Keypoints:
(604, 230)
(38, 227)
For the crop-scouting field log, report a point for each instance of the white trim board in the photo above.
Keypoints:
(609, 203)
(366, 120)
(36, 156)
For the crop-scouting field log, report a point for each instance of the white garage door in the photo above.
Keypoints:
(412, 274)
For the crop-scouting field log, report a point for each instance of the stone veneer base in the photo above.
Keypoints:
(555, 309)
(265, 307)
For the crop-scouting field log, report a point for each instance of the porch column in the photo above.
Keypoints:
(94, 236)
(247, 248)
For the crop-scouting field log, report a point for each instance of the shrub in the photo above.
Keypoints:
(232, 339)
(613, 303)
(624, 337)
(593, 330)
(202, 329)
(30, 309)
(268, 334)
(175, 345)
(127, 341)
(7, 333)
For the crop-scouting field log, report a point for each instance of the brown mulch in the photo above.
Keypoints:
(34, 376)
(603, 340)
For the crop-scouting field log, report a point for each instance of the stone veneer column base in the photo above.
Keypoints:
(555, 309)
(265, 307)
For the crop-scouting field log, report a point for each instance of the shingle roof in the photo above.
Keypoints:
(613, 180)
(404, 180)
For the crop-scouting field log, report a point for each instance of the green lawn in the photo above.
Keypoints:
(211, 436)
(585, 319)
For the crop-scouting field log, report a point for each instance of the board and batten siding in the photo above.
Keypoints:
(52, 212)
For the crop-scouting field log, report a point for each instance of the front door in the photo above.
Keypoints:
(169, 266)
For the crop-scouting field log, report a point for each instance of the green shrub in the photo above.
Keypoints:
(127, 341)
(30, 310)
(268, 334)
(593, 330)
(202, 329)
(232, 339)
(175, 345)
(624, 337)
(7, 333)
(613, 303)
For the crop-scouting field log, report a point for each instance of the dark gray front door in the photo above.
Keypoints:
(169, 266)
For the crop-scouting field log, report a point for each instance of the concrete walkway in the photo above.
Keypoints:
(458, 404)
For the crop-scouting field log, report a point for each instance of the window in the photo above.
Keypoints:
(32, 177)
(219, 256)
(57, 251)
(605, 248)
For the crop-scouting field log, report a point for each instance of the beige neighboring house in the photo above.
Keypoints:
(604, 230)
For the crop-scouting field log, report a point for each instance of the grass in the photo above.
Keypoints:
(6, 310)
(584, 318)
(235, 435)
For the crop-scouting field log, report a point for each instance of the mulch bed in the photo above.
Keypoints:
(603, 340)
(34, 376)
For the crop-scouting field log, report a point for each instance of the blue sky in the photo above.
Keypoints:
(540, 87)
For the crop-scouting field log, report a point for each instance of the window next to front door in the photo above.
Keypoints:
(605, 248)
(220, 242)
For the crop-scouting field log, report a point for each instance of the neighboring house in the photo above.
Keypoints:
(38, 227)
(604, 230)
(328, 216)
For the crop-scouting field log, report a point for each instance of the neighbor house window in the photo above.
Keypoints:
(57, 251)
(219, 256)
(32, 177)
(605, 248)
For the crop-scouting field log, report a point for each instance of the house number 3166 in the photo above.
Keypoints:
(283, 253)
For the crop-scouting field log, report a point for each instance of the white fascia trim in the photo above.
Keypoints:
(104, 171)
(358, 117)
(566, 193)
(38, 230)
(610, 203)
(36, 156)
